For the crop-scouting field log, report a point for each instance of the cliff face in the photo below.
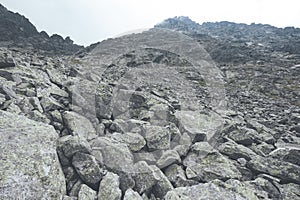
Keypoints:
(17, 30)
(207, 111)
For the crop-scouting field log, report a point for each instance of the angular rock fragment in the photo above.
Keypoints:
(86, 193)
(287, 154)
(69, 145)
(144, 176)
(213, 166)
(290, 191)
(157, 137)
(71, 177)
(132, 195)
(50, 104)
(104, 95)
(167, 158)
(79, 125)
(209, 191)
(7, 61)
(235, 151)
(112, 154)
(149, 157)
(177, 177)
(287, 172)
(87, 168)
(109, 187)
(163, 185)
(134, 141)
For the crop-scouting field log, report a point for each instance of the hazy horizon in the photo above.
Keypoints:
(90, 21)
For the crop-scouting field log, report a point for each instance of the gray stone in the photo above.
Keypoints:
(183, 145)
(79, 125)
(69, 198)
(235, 151)
(157, 137)
(198, 151)
(245, 136)
(71, 176)
(201, 127)
(87, 168)
(149, 157)
(109, 187)
(118, 126)
(76, 188)
(177, 177)
(138, 104)
(25, 105)
(104, 94)
(144, 176)
(296, 128)
(7, 61)
(207, 191)
(182, 150)
(38, 116)
(167, 158)
(290, 191)
(100, 129)
(86, 193)
(50, 90)
(287, 154)
(247, 189)
(161, 114)
(55, 76)
(56, 116)
(163, 184)
(29, 166)
(34, 101)
(50, 104)
(83, 92)
(262, 149)
(112, 154)
(132, 195)
(270, 190)
(134, 141)
(69, 145)
(213, 166)
(286, 171)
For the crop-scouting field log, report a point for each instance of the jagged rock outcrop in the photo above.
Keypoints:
(198, 112)
(17, 30)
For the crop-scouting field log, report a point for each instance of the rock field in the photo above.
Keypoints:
(181, 111)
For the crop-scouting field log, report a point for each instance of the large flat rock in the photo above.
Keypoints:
(29, 165)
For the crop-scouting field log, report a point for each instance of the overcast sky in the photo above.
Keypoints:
(89, 21)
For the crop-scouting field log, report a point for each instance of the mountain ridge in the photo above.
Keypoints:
(17, 30)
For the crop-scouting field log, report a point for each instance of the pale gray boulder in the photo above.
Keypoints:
(29, 165)
(109, 187)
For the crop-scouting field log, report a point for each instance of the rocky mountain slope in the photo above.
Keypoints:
(181, 111)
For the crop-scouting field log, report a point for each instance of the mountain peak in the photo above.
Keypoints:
(179, 23)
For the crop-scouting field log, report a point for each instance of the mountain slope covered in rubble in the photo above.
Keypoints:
(181, 111)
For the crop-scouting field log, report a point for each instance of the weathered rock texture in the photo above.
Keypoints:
(29, 164)
(205, 111)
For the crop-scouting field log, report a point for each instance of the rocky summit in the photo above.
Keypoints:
(180, 111)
